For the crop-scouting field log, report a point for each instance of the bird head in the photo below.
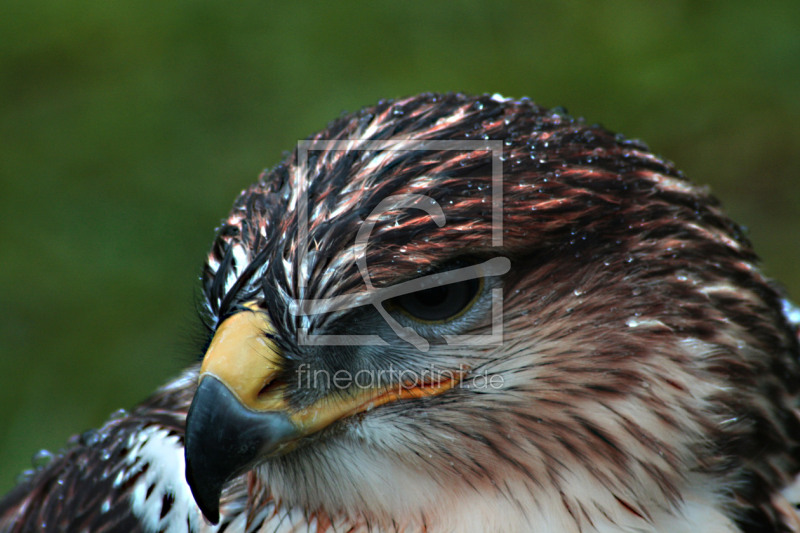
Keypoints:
(447, 300)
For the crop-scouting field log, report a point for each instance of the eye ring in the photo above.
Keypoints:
(440, 304)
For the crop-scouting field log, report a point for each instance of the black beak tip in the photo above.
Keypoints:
(224, 439)
(206, 494)
(203, 472)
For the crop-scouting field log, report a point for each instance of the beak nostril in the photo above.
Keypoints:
(270, 388)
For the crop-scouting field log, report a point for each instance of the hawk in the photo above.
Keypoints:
(450, 313)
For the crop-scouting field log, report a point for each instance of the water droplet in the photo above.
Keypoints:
(41, 459)
(90, 437)
(25, 476)
(119, 413)
(577, 292)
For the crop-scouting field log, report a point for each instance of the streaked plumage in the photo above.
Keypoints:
(647, 379)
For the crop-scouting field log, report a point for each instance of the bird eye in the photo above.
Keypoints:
(441, 303)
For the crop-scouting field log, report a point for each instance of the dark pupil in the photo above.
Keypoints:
(439, 303)
(432, 297)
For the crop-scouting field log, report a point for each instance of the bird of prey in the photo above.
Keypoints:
(450, 313)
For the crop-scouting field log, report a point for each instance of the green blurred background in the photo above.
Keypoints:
(127, 128)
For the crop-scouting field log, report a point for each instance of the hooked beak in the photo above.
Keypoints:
(240, 414)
